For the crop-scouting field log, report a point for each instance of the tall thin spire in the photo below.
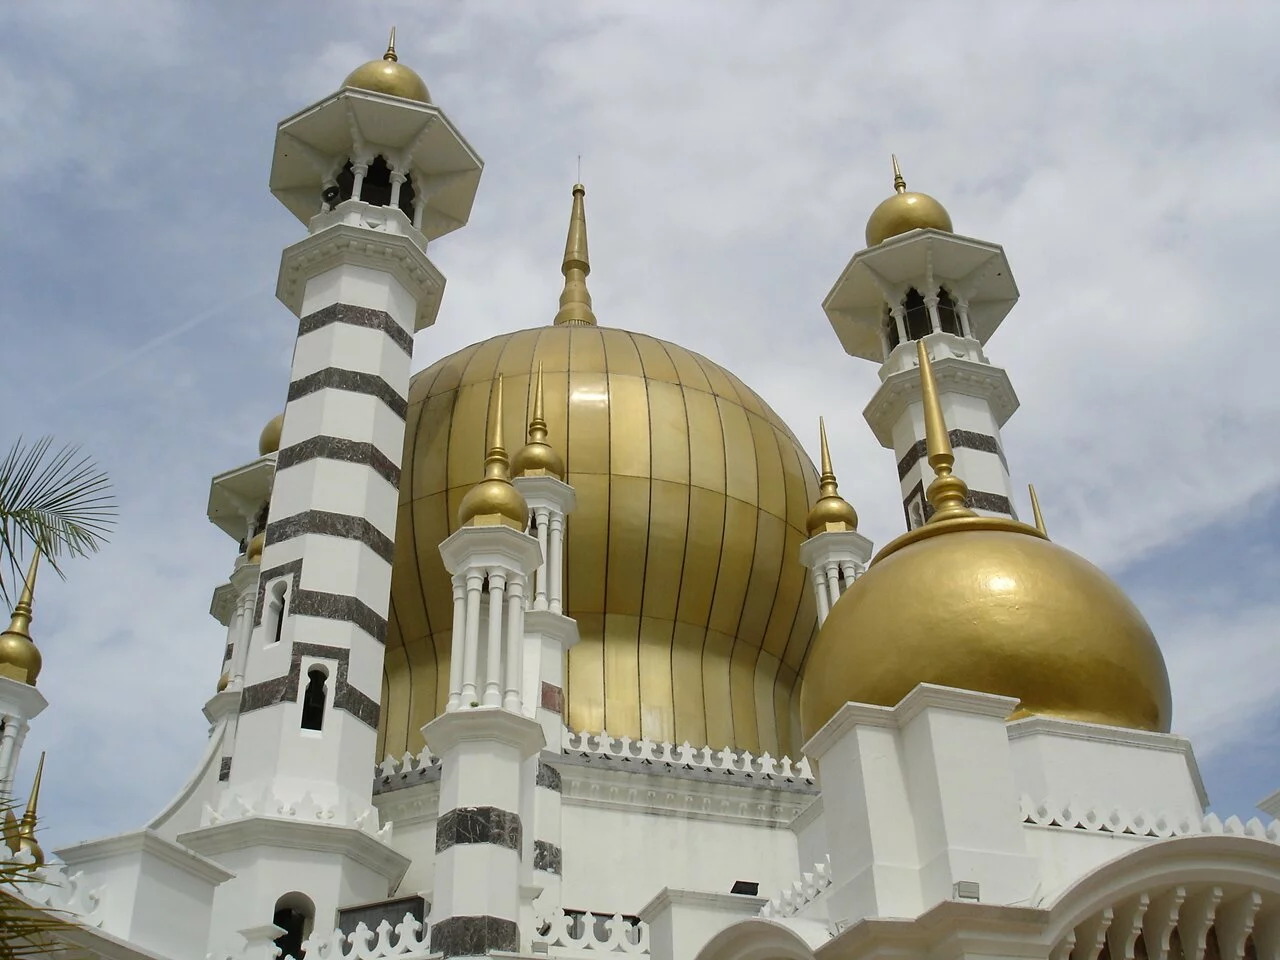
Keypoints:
(494, 500)
(537, 457)
(391, 47)
(947, 493)
(832, 511)
(27, 826)
(496, 465)
(1035, 509)
(899, 184)
(575, 300)
(19, 657)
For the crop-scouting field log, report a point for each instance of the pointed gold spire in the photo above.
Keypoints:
(899, 184)
(1035, 509)
(575, 300)
(537, 457)
(19, 657)
(494, 501)
(947, 493)
(832, 512)
(27, 826)
(391, 47)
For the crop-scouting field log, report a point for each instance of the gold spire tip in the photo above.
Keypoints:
(1035, 509)
(575, 300)
(497, 455)
(899, 184)
(537, 423)
(34, 799)
(391, 47)
(827, 471)
(947, 493)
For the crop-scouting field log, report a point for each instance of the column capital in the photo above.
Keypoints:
(479, 724)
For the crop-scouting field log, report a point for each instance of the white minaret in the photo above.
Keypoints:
(20, 663)
(484, 739)
(917, 280)
(376, 171)
(835, 554)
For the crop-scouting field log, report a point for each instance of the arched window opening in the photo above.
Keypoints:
(276, 611)
(891, 330)
(376, 188)
(313, 699)
(917, 316)
(948, 317)
(295, 914)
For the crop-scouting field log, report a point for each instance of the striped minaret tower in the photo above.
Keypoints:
(918, 280)
(377, 172)
(485, 739)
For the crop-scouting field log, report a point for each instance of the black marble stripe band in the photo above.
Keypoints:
(336, 448)
(547, 857)
(478, 825)
(548, 776)
(224, 769)
(332, 525)
(357, 317)
(474, 936)
(968, 439)
(349, 381)
(317, 603)
(976, 500)
(226, 654)
(285, 689)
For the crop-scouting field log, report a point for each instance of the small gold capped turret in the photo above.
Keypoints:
(494, 501)
(537, 458)
(575, 300)
(19, 657)
(389, 76)
(832, 511)
(269, 439)
(905, 211)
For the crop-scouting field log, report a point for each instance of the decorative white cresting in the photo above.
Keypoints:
(686, 757)
(800, 893)
(1076, 815)
(407, 940)
(50, 885)
(573, 934)
(236, 806)
(410, 763)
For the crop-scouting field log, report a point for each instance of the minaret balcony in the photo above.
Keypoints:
(369, 216)
(941, 346)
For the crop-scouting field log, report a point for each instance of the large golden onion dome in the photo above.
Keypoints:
(905, 211)
(20, 658)
(389, 76)
(681, 555)
(986, 604)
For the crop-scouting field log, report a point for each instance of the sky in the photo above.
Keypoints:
(732, 152)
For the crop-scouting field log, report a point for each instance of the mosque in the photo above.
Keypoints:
(563, 646)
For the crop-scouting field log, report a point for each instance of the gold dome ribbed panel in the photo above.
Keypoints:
(682, 559)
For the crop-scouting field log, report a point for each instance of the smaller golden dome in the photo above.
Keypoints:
(904, 212)
(389, 76)
(19, 657)
(269, 439)
(832, 511)
(224, 681)
(537, 458)
(494, 501)
(254, 550)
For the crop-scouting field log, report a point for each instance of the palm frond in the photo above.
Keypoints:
(27, 930)
(57, 500)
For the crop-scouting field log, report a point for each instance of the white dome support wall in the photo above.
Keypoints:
(834, 559)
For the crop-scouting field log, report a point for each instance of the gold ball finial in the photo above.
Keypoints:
(20, 658)
(537, 457)
(832, 511)
(389, 76)
(494, 501)
(905, 211)
(224, 681)
(269, 439)
(253, 552)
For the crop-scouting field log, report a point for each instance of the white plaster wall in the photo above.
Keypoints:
(980, 470)
(363, 349)
(360, 287)
(337, 487)
(348, 416)
(1065, 855)
(616, 861)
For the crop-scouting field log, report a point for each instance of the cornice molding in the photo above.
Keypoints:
(953, 375)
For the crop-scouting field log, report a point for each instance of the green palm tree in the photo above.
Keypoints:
(59, 502)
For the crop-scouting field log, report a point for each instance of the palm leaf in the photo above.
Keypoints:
(57, 500)
(26, 929)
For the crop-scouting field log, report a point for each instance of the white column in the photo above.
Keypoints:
(359, 168)
(8, 758)
(962, 308)
(820, 594)
(397, 181)
(471, 639)
(493, 660)
(244, 630)
(540, 589)
(848, 571)
(419, 207)
(884, 342)
(931, 304)
(456, 653)
(899, 322)
(515, 644)
(833, 582)
(556, 571)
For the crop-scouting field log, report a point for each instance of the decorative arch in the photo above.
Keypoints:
(295, 914)
(756, 939)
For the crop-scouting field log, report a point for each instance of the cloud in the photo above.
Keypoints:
(732, 155)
